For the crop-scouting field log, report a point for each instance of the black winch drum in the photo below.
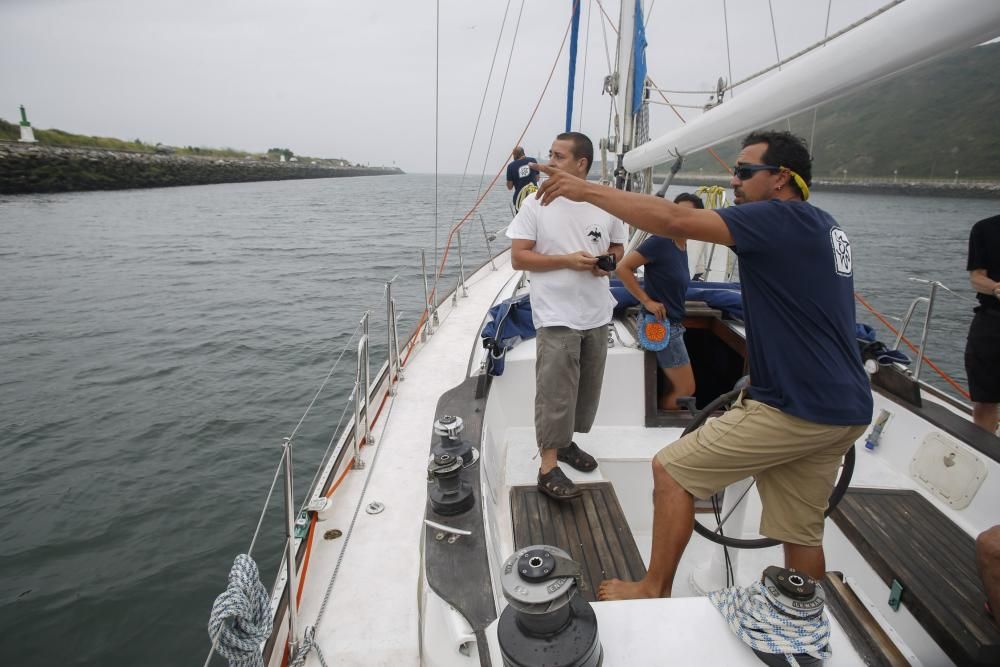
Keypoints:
(546, 622)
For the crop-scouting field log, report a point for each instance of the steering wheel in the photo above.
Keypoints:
(718, 535)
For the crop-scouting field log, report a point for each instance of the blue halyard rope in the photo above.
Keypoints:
(241, 616)
(765, 624)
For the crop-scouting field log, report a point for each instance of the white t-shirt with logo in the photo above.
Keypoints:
(566, 297)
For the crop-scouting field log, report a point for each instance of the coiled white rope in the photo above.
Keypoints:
(246, 604)
(765, 624)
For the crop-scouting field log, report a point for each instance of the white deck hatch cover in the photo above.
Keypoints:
(948, 470)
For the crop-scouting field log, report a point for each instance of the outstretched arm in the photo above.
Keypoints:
(648, 213)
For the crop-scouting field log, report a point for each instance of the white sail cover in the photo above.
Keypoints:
(909, 34)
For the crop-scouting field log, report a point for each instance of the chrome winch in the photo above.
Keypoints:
(450, 427)
(546, 621)
(450, 494)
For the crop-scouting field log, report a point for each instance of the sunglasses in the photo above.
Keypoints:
(746, 171)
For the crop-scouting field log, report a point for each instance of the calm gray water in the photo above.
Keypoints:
(158, 344)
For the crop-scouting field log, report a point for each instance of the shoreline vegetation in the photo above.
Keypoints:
(64, 162)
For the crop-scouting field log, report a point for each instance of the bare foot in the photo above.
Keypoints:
(616, 589)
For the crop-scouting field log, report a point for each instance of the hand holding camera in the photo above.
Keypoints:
(607, 263)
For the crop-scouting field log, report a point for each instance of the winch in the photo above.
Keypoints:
(450, 494)
(449, 427)
(546, 621)
(794, 595)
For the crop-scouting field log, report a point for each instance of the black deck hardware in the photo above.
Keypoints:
(592, 528)
(459, 571)
(904, 537)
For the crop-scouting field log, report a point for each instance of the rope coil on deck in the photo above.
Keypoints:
(246, 604)
(765, 624)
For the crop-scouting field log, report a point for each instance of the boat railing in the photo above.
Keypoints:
(392, 344)
(362, 434)
(350, 440)
(929, 300)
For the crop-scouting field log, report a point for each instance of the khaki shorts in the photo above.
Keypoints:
(795, 462)
(569, 371)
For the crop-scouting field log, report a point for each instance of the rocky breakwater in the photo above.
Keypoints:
(27, 168)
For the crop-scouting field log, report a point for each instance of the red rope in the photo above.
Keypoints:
(930, 363)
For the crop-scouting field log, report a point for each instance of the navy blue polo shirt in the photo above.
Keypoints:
(520, 174)
(666, 274)
(798, 299)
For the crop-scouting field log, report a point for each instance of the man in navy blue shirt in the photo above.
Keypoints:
(519, 174)
(809, 397)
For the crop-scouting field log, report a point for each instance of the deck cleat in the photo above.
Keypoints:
(546, 621)
(450, 494)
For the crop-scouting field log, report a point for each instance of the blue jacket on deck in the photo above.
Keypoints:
(507, 324)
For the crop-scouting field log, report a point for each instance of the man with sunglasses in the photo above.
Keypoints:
(809, 397)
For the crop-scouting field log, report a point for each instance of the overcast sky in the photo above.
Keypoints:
(356, 80)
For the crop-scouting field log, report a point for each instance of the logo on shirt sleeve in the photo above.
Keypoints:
(841, 251)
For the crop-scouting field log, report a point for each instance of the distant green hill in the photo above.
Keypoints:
(925, 123)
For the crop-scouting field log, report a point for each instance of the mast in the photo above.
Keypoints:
(884, 46)
(623, 91)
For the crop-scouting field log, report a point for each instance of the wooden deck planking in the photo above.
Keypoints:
(591, 528)
(904, 537)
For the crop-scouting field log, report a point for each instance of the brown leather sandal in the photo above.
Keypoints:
(576, 458)
(557, 486)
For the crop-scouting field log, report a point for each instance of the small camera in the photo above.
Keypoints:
(606, 263)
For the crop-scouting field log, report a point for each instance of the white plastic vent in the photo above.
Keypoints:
(948, 470)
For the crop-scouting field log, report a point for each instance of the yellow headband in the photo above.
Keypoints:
(799, 181)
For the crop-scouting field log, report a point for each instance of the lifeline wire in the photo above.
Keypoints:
(274, 481)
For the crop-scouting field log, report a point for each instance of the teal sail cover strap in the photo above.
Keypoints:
(573, 39)
(638, 59)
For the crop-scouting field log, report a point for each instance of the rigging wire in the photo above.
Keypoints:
(777, 54)
(729, 58)
(437, 80)
(813, 47)
(612, 108)
(812, 133)
(457, 226)
(479, 116)
(583, 77)
(496, 116)
(653, 86)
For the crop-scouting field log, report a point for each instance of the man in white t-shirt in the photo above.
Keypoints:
(571, 307)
